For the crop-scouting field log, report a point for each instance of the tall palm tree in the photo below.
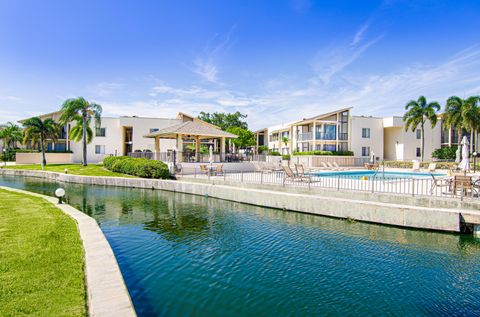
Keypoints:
(11, 135)
(471, 117)
(418, 113)
(86, 111)
(76, 133)
(453, 116)
(38, 130)
(285, 142)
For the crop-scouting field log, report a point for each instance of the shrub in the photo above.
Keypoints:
(275, 153)
(286, 157)
(445, 153)
(262, 149)
(136, 166)
(317, 152)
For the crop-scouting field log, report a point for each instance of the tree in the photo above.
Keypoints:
(471, 117)
(76, 133)
(224, 120)
(245, 138)
(11, 134)
(37, 130)
(418, 113)
(285, 141)
(79, 107)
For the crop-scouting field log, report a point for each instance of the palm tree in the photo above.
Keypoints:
(418, 112)
(37, 130)
(11, 135)
(471, 117)
(76, 133)
(285, 142)
(79, 107)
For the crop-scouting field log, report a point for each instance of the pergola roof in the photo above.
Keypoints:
(190, 128)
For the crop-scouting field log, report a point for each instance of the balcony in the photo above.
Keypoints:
(308, 136)
(325, 136)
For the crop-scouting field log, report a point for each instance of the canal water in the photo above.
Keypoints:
(185, 255)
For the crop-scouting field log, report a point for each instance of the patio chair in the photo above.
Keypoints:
(204, 169)
(465, 184)
(300, 170)
(416, 166)
(324, 165)
(330, 165)
(440, 182)
(219, 169)
(338, 167)
(432, 167)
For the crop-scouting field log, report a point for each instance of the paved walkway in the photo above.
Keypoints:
(107, 293)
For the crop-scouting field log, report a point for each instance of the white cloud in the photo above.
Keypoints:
(105, 88)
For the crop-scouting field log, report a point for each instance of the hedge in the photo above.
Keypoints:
(439, 165)
(317, 152)
(136, 166)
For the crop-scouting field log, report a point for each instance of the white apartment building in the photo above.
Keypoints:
(341, 131)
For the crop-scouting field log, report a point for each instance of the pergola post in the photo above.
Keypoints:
(180, 148)
(157, 148)
(197, 149)
(222, 149)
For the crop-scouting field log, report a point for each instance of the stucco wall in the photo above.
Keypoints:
(36, 158)
(375, 142)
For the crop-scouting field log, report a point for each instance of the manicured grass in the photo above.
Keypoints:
(74, 169)
(41, 259)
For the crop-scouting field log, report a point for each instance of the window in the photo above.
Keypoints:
(329, 147)
(366, 133)
(419, 134)
(100, 132)
(419, 152)
(99, 149)
(365, 151)
(153, 130)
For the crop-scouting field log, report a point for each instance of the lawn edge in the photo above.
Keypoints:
(107, 294)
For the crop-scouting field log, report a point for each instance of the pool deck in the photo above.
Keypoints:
(107, 293)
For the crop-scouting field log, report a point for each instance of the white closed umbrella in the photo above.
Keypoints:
(457, 155)
(372, 158)
(465, 163)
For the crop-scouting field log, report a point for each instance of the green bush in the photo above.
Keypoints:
(275, 153)
(401, 164)
(317, 152)
(286, 157)
(136, 166)
(445, 153)
(262, 149)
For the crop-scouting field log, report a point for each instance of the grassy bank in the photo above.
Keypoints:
(41, 259)
(74, 169)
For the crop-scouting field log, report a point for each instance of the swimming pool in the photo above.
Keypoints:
(379, 174)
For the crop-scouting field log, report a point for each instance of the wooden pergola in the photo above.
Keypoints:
(191, 130)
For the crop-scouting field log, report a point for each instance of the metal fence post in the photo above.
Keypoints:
(241, 176)
(261, 178)
(195, 172)
(373, 184)
(224, 175)
(338, 182)
(413, 186)
(461, 193)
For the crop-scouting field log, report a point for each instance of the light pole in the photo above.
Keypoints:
(474, 161)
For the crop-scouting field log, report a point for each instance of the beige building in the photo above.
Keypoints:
(137, 136)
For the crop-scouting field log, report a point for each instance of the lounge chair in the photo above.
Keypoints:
(330, 165)
(290, 175)
(300, 170)
(432, 167)
(416, 166)
(324, 165)
(440, 182)
(338, 167)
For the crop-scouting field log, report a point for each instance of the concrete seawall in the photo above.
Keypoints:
(325, 203)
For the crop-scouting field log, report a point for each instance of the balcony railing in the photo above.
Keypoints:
(305, 136)
(325, 136)
(343, 136)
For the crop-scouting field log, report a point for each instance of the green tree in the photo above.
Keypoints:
(225, 120)
(79, 107)
(38, 130)
(285, 141)
(245, 138)
(418, 113)
(11, 134)
(462, 114)
(471, 117)
(76, 133)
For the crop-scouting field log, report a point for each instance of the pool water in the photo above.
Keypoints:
(379, 174)
(184, 255)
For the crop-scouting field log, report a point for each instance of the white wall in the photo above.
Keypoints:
(375, 142)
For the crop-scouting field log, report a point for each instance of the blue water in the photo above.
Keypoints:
(379, 174)
(184, 255)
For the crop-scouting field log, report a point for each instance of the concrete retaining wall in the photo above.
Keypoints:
(343, 206)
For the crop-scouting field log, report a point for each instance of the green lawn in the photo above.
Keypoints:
(41, 259)
(75, 169)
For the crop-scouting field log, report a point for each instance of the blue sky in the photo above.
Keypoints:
(276, 61)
